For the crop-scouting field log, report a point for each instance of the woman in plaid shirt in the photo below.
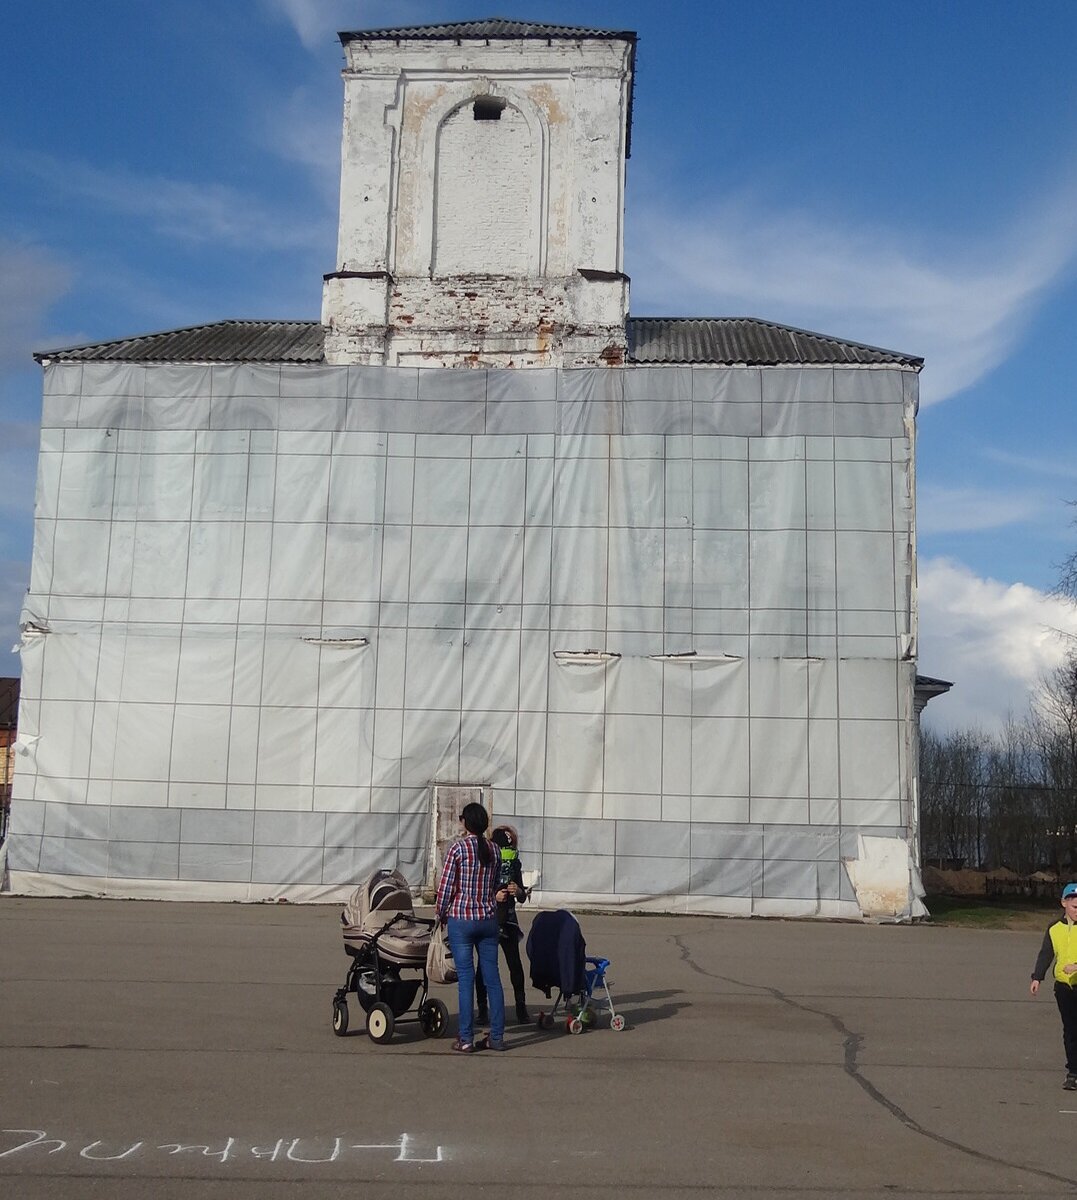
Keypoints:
(467, 902)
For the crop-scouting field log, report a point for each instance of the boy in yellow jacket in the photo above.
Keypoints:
(1060, 945)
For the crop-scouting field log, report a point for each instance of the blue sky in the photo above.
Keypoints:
(901, 172)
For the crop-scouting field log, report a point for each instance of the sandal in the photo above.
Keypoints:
(463, 1047)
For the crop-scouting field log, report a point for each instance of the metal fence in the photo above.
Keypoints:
(7, 774)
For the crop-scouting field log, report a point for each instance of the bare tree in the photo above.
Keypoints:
(954, 806)
(1017, 835)
(1067, 573)
(993, 800)
(1053, 727)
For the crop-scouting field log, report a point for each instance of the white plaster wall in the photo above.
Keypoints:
(366, 167)
(600, 132)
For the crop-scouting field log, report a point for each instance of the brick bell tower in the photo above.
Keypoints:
(482, 197)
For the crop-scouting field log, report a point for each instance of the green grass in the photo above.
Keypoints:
(979, 912)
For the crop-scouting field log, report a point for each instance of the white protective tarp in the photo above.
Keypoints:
(664, 614)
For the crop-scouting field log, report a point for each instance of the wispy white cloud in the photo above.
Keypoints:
(974, 509)
(964, 305)
(32, 279)
(994, 640)
(316, 21)
(304, 129)
(1057, 465)
(195, 212)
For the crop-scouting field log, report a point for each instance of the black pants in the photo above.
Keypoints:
(1066, 998)
(510, 944)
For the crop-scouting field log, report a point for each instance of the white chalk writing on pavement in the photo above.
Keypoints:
(308, 1151)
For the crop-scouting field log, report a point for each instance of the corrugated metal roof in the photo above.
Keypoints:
(718, 341)
(224, 341)
(748, 341)
(492, 28)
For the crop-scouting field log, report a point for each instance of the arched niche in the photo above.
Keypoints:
(488, 211)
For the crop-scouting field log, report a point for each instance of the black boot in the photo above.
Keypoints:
(522, 1016)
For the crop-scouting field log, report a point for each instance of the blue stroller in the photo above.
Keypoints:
(559, 960)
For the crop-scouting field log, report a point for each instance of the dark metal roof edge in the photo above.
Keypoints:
(451, 32)
(231, 322)
(929, 682)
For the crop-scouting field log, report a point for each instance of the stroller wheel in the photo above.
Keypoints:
(574, 1025)
(433, 1018)
(617, 1022)
(544, 1021)
(340, 1017)
(380, 1022)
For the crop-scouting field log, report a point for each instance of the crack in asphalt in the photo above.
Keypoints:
(851, 1044)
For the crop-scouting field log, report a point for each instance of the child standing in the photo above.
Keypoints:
(511, 879)
(1060, 944)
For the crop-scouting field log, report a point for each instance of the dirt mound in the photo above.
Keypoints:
(954, 883)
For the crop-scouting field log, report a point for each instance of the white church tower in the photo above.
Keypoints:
(482, 197)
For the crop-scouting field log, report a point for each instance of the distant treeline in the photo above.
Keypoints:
(1006, 799)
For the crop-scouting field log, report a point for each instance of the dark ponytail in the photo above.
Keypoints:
(476, 820)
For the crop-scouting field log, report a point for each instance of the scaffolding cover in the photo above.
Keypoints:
(663, 614)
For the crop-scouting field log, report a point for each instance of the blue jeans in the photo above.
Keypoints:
(464, 936)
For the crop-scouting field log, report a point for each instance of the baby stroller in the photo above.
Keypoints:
(385, 939)
(559, 960)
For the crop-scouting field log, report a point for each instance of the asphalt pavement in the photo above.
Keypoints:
(186, 1051)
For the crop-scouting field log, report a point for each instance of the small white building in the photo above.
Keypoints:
(300, 587)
